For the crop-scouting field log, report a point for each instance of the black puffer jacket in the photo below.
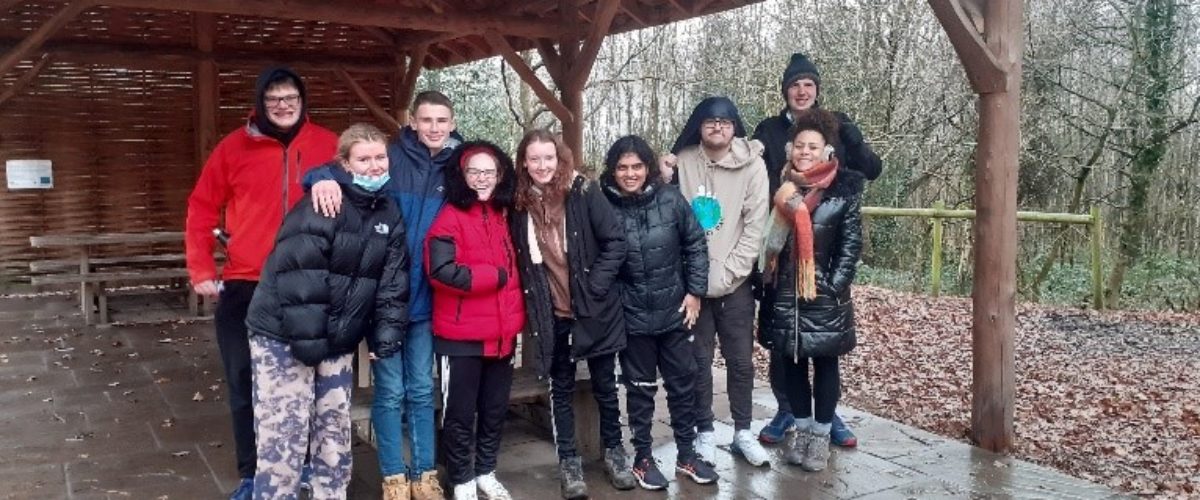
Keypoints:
(667, 256)
(823, 326)
(851, 148)
(329, 282)
(595, 251)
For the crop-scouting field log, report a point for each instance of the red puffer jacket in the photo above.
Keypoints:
(478, 308)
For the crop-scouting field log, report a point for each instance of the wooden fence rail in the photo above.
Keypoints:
(939, 212)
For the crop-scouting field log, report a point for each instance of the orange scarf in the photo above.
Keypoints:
(809, 186)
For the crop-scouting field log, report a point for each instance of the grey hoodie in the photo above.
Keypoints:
(738, 185)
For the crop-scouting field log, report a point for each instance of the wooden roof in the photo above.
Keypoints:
(360, 35)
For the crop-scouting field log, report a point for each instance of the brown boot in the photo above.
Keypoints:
(428, 487)
(396, 487)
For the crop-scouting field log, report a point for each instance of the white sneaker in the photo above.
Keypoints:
(746, 445)
(706, 446)
(465, 491)
(490, 487)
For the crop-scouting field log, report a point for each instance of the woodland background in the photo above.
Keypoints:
(1110, 103)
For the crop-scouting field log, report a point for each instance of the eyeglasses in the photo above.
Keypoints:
(290, 100)
(483, 174)
(715, 123)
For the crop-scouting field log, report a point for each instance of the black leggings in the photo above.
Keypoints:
(822, 395)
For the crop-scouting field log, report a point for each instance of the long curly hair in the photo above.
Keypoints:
(559, 185)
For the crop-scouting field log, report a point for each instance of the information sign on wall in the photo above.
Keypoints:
(29, 174)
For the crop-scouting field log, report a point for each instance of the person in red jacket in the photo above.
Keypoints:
(253, 175)
(478, 310)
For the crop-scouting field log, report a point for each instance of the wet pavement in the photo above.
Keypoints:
(134, 411)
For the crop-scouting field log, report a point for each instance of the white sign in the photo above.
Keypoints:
(29, 174)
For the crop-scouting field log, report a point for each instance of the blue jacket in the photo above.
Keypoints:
(417, 185)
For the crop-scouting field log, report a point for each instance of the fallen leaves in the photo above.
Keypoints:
(1111, 397)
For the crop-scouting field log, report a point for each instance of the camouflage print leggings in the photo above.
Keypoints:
(300, 409)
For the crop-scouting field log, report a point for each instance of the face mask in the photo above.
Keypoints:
(370, 183)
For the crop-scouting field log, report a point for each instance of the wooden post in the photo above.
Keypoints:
(408, 85)
(935, 266)
(1096, 233)
(207, 92)
(35, 40)
(993, 63)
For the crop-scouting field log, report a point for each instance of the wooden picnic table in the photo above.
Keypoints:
(92, 283)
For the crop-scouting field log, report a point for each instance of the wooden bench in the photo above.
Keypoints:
(97, 285)
(96, 275)
(42, 266)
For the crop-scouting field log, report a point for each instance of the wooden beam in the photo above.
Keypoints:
(25, 79)
(984, 70)
(380, 114)
(458, 51)
(678, 6)
(581, 68)
(381, 34)
(397, 81)
(530, 77)
(207, 90)
(355, 15)
(415, 62)
(35, 40)
(186, 57)
(634, 16)
(422, 37)
(551, 59)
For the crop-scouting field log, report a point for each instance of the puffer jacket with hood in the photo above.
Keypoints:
(728, 196)
(330, 282)
(823, 326)
(478, 309)
(254, 175)
(667, 256)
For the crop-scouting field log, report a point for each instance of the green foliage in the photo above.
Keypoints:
(1156, 283)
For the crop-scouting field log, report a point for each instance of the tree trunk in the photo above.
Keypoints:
(1153, 57)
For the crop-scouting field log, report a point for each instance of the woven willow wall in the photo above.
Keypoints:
(122, 144)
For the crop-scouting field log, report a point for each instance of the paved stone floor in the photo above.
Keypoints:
(137, 411)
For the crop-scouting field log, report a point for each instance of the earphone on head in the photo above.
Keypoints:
(828, 153)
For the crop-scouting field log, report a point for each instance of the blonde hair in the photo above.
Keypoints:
(355, 134)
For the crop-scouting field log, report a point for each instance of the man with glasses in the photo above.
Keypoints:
(253, 176)
(721, 173)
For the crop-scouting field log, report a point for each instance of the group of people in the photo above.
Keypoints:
(440, 252)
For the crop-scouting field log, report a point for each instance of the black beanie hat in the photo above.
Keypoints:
(799, 67)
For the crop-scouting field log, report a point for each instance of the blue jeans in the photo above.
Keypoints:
(405, 381)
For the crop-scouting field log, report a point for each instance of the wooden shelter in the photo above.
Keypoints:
(126, 97)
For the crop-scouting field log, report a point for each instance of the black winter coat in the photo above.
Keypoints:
(330, 282)
(595, 251)
(667, 256)
(823, 326)
(851, 149)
